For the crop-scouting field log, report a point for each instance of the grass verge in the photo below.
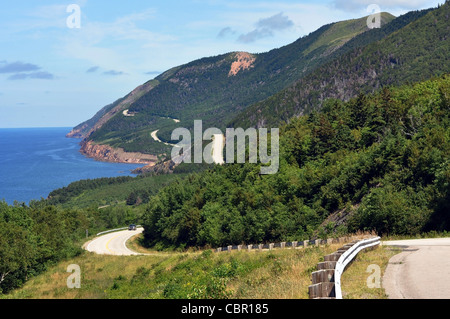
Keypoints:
(276, 274)
(362, 279)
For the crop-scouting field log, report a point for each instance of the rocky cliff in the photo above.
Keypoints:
(106, 153)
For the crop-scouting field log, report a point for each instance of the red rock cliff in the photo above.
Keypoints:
(108, 154)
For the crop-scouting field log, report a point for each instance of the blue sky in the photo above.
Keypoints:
(52, 75)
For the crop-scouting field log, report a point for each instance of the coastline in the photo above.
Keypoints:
(37, 161)
(105, 153)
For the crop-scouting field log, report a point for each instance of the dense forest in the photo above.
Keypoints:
(411, 48)
(203, 89)
(36, 236)
(372, 150)
(383, 159)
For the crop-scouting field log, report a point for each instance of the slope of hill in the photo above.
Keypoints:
(213, 89)
(86, 128)
(380, 160)
(414, 52)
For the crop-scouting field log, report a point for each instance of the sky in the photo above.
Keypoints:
(62, 61)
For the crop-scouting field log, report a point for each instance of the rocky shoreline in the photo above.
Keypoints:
(107, 153)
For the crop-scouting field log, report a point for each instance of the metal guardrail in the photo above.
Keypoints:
(114, 230)
(326, 281)
(282, 245)
(347, 257)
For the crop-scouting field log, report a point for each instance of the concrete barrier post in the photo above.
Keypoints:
(323, 275)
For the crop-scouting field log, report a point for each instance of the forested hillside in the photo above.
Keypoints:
(35, 237)
(215, 89)
(364, 145)
(415, 52)
(383, 160)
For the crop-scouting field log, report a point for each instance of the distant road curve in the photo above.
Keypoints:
(113, 243)
(420, 271)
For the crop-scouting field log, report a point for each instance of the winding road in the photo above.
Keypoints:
(420, 271)
(113, 243)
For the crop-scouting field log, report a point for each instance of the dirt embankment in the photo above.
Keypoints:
(106, 153)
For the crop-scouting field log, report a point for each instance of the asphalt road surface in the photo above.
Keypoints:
(113, 243)
(420, 271)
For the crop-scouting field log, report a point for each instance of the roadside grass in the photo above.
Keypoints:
(430, 234)
(203, 274)
(359, 280)
(275, 274)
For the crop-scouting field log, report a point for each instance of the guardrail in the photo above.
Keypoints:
(293, 244)
(282, 245)
(326, 281)
(113, 230)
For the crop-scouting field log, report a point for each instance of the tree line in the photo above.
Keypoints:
(384, 158)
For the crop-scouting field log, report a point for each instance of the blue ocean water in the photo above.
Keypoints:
(36, 161)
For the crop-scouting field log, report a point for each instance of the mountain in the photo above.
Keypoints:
(84, 129)
(212, 89)
(379, 162)
(416, 51)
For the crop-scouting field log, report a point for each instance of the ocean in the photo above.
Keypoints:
(36, 161)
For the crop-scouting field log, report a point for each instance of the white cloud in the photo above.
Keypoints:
(17, 67)
(34, 75)
(93, 69)
(114, 73)
(114, 44)
(225, 32)
(266, 27)
(276, 22)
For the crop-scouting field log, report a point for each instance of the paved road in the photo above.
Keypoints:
(113, 243)
(420, 271)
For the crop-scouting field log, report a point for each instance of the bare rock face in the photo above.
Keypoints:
(106, 153)
(243, 61)
(166, 167)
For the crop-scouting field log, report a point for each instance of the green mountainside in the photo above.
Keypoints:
(209, 90)
(378, 162)
(414, 52)
(86, 128)
(364, 146)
